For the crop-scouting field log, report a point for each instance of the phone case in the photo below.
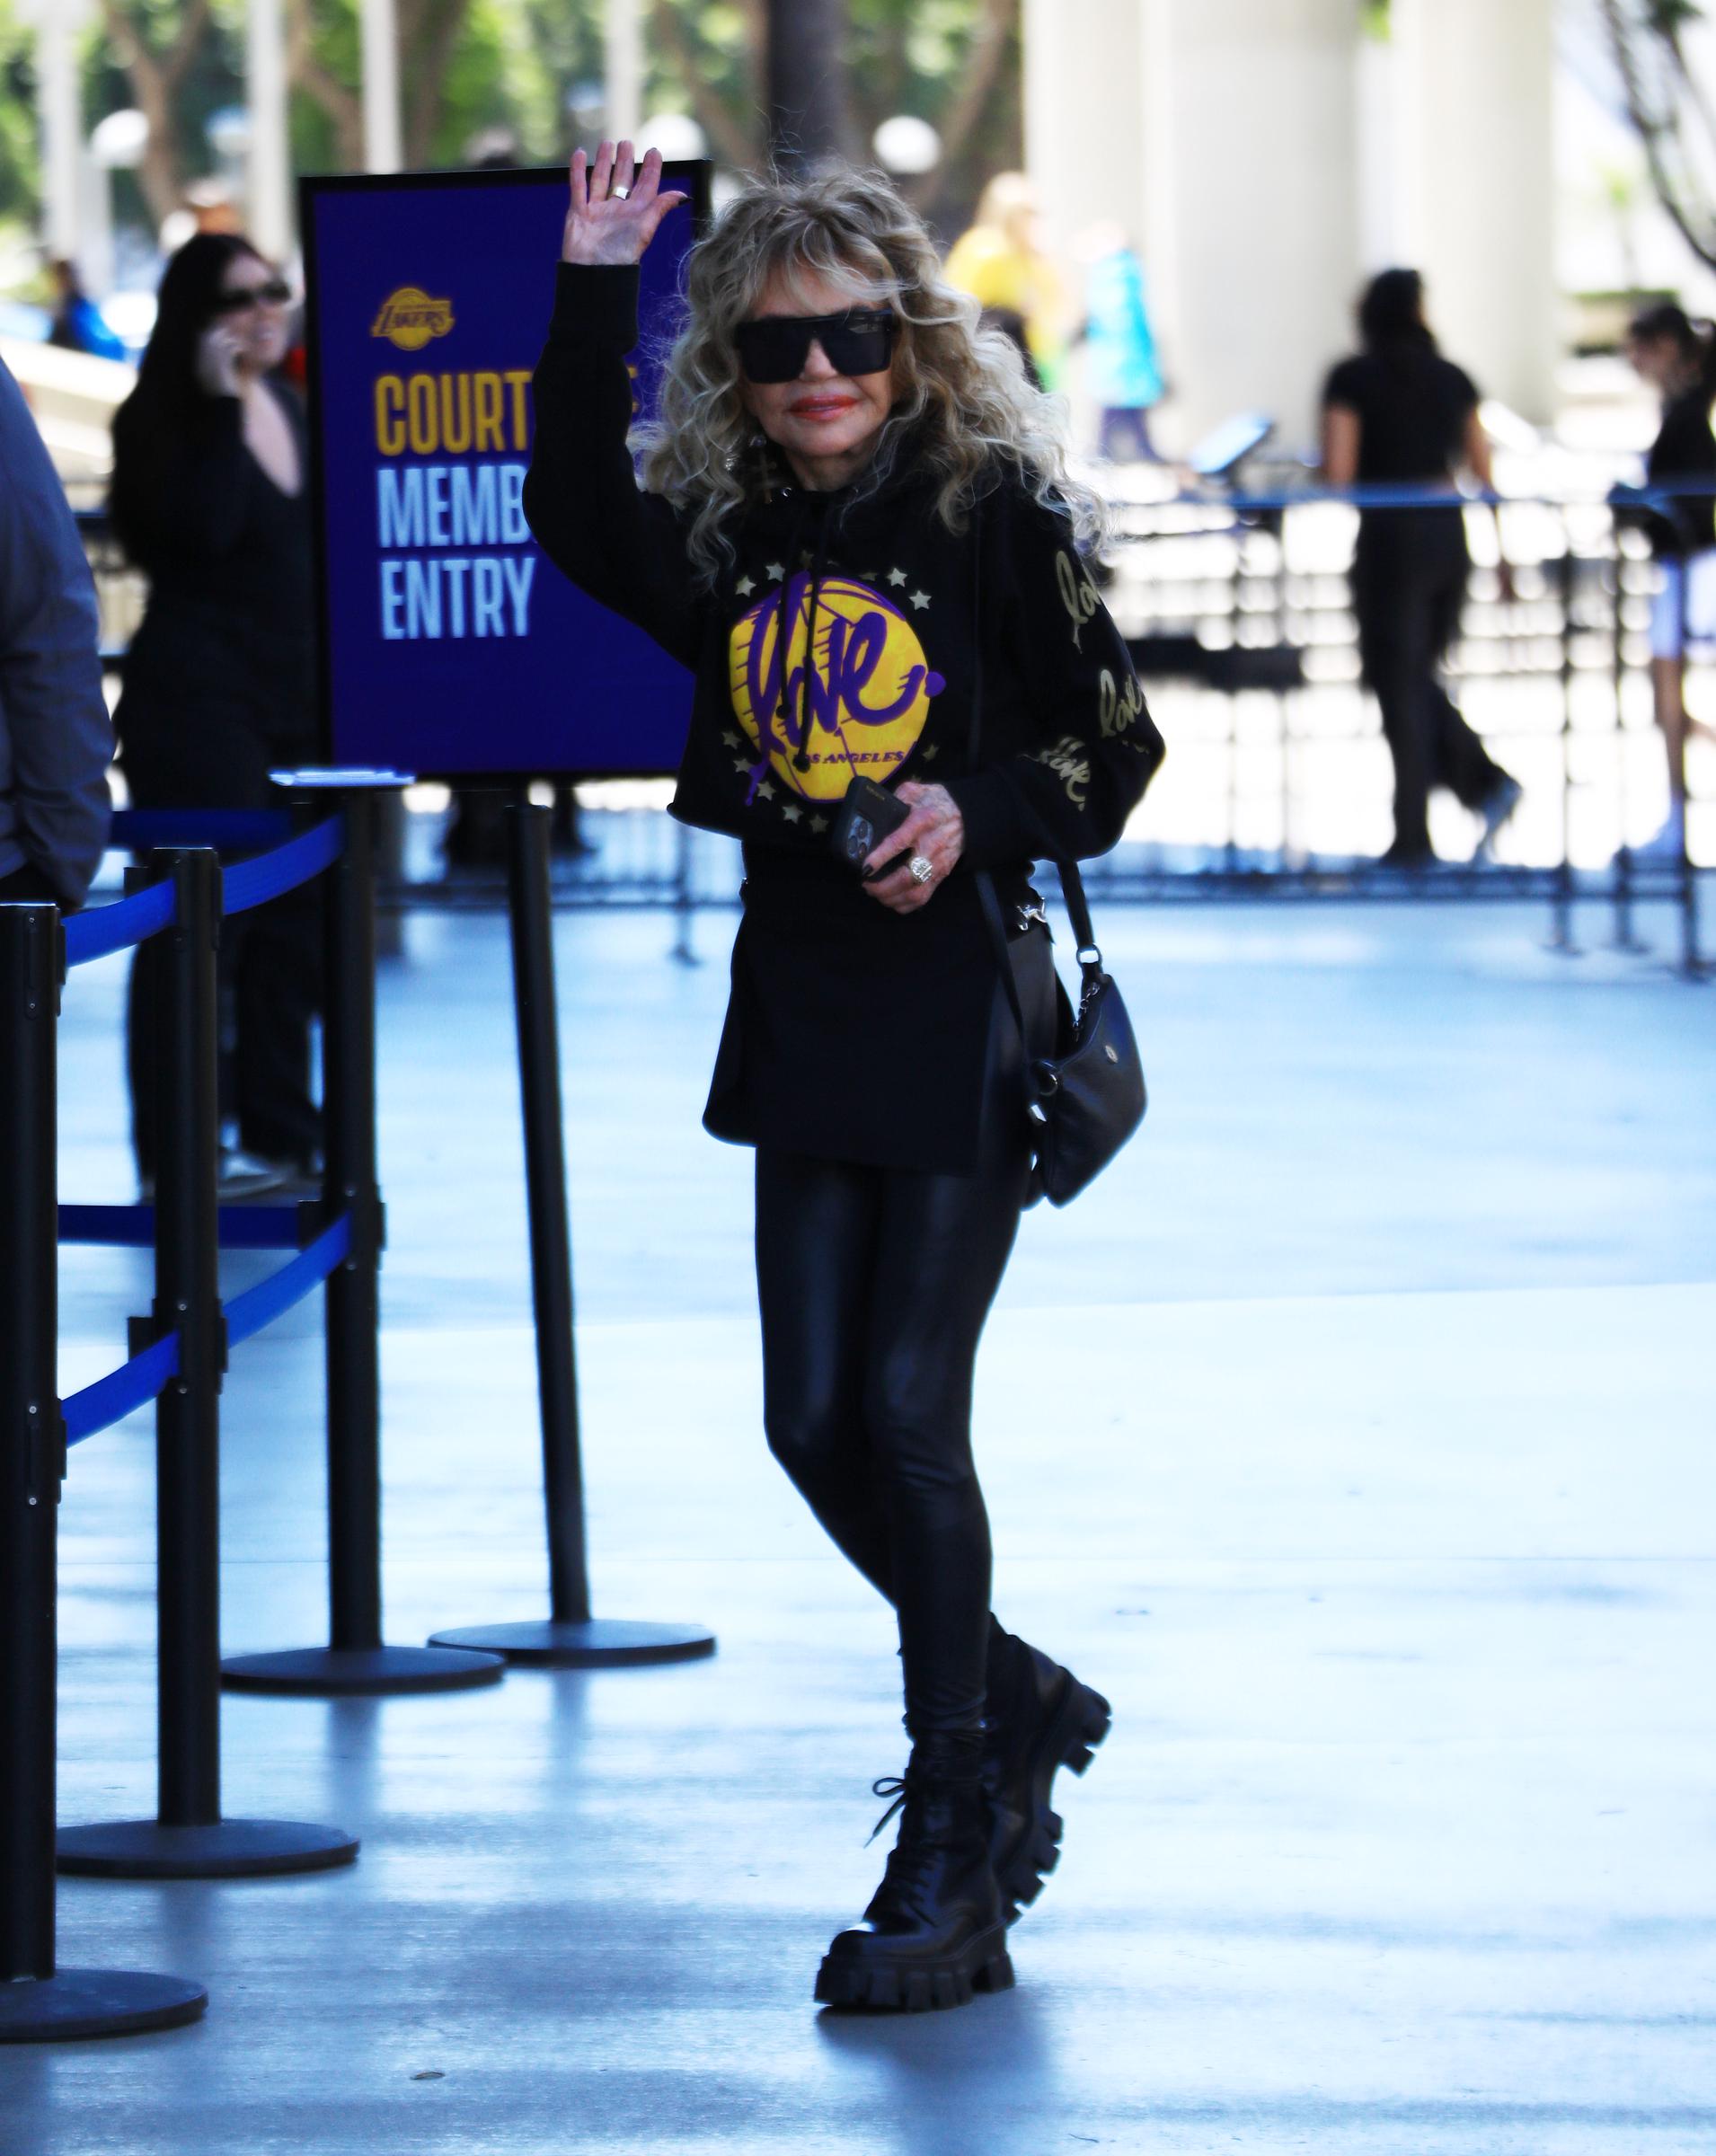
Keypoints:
(866, 815)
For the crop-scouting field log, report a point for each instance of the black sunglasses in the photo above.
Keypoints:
(275, 293)
(860, 341)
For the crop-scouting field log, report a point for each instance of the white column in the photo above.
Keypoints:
(623, 70)
(269, 155)
(384, 150)
(1477, 146)
(60, 107)
(1379, 170)
(1084, 149)
(1222, 134)
(1158, 237)
(95, 250)
(1260, 104)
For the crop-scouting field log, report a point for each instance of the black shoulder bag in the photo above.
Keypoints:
(1087, 1098)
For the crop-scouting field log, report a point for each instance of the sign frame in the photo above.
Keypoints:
(695, 177)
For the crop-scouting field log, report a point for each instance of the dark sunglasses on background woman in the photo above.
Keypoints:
(860, 341)
(275, 293)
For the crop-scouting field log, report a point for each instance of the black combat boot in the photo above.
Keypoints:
(936, 1930)
(1039, 1718)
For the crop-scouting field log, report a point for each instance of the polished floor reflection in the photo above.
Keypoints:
(1353, 1435)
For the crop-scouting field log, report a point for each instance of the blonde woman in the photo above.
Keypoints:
(854, 510)
(1001, 261)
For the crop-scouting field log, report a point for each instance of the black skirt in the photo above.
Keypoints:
(853, 1033)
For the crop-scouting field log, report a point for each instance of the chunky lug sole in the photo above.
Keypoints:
(905, 1987)
(1078, 1727)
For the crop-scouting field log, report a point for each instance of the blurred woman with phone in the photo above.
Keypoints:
(209, 499)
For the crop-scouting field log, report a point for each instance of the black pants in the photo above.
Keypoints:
(1408, 586)
(200, 755)
(1126, 434)
(874, 1284)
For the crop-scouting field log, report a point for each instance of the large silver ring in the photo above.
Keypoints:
(922, 871)
(619, 193)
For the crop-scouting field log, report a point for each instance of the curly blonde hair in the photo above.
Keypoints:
(962, 400)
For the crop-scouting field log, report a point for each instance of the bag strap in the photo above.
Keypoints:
(1078, 912)
(1071, 884)
(991, 905)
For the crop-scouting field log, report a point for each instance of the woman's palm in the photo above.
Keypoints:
(605, 227)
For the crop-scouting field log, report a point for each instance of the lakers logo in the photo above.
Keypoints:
(856, 705)
(409, 318)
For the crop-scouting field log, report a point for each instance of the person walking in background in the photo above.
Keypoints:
(1122, 373)
(1679, 362)
(1001, 262)
(207, 497)
(1398, 413)
(855, 509)
(56, 742)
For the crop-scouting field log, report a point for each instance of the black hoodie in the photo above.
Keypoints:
(853, 1033)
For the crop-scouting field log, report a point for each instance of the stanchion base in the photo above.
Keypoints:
(328, 1671)
(74, 2003)
(601, 1643)
(226, 1848)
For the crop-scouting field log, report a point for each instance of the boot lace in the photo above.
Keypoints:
(911, 1863)
(894, 1786)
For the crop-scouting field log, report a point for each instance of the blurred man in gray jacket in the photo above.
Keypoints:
(55, 740)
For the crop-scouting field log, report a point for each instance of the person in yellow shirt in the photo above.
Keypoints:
(1001, 262)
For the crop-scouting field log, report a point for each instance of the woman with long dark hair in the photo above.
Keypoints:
(1679, 362)
(209, 499)
(1398, 413)
(857, 529)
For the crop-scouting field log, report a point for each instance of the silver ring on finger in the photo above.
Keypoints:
(922, 871)
(619, 194)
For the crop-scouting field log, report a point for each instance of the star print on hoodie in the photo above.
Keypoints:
(842, 637)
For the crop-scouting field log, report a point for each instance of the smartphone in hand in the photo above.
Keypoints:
(865, 816)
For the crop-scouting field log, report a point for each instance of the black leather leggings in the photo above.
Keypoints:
(874, 1284)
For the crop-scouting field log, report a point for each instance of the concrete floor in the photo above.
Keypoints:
(1353, 1434)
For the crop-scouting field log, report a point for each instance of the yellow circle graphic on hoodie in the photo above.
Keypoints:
(861, 688)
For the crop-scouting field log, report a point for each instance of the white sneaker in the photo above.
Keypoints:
(243, 1175)
(1498, 806)
(1668, 844)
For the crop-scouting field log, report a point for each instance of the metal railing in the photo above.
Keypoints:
(1237, 610)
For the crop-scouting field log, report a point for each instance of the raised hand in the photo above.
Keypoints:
(615, 206)
(217, 364)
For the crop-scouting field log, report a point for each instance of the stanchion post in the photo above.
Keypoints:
(1230, 850)
(683, 898)
(39, 2002)
(189, 1838)
(354, 1289)
(356, 1660)
(187, 1297)
(34, 1456)
(1561, 936)
(530, 906)
(569, 1637)
(1621, 868)
(1691, 962)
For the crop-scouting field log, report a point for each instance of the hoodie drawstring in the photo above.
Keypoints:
(782, 645)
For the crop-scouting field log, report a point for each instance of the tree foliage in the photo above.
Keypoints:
(1670, 110)
(18, 152)
(532, 67)
(177, 62)
(954, 63)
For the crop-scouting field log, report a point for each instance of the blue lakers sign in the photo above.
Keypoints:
(450, 648)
